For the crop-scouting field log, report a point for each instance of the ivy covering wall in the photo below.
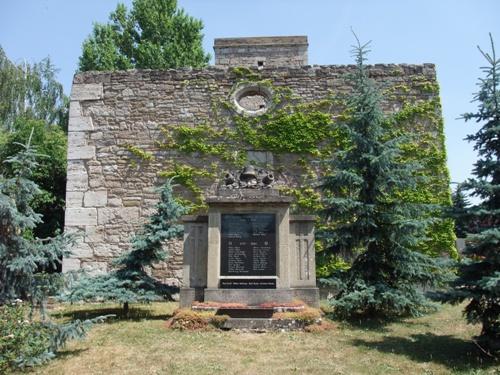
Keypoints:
(300, 134)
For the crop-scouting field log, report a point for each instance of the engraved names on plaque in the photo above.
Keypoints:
(248, 244)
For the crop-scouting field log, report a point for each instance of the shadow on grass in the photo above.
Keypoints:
(374, 325)
(379, 325)
(452, 352)
(134, 314)
(66, 353)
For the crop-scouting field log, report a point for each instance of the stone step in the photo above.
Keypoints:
(263, 324)
(247, 312)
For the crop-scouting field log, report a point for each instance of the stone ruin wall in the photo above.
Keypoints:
(261, 52)
(108, 199)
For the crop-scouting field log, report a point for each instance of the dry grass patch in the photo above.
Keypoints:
(435, 344)
(187, 319)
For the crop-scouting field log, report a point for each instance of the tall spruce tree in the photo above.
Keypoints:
(130, 282)
(154, 34)
(367, 216)
(460, 203)
(22, 255)
(479, 275)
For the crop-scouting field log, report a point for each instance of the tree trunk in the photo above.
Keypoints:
(125, 308)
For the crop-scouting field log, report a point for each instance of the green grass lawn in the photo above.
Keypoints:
(435, 344)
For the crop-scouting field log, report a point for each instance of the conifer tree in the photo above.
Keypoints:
(367, 216)
(21, 254)
(22, 260)
(460, 203)
(479, 276)
(130, 282)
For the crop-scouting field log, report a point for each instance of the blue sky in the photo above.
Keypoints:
(443, 32)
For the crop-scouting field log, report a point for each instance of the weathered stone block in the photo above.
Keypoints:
(131, 201)
(94, 234)
(77, 139)
(74, 199)
(147, 212)
(177, 274)
(95, 198)
(75, 110)
(115, 202)
(77, 177)
(81, 153)
(80, 124)
(114, 238)
(87, 91)
(189, 295)
(95, 268)
(96, 182)
(70, 264)
(308, 295)
(95, 167)
(81, 250)
(80, 216)
(76, 231)
(117, 215)
(127, 92)
(106, 250)
(96, 136)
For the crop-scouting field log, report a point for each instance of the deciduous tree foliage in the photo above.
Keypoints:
(368, 217)
(130, 282)
(479, 275)
(33, 102)
(31, 91)
(154, 34)
(49, 173)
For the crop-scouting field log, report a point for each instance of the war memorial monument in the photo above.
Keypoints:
(249, 240)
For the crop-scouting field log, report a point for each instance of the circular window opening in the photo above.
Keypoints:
(253, 100)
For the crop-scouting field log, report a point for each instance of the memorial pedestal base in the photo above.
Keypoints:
(310, 296)
(249, 296)
(189, 295)
(258, 296)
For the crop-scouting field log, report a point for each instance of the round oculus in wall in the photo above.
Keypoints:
(252, 99)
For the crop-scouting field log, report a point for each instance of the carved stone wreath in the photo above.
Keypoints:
(248, 178)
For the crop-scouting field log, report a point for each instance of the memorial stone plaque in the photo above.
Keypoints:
(248, 244)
